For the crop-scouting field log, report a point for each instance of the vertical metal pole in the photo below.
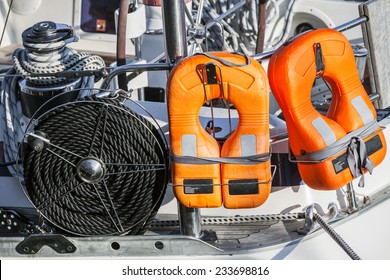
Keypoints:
(175, 30)
(189, 219)
(261, 28)
(137, 49)
(137, 41)
(351, 197)
(175, 49)
(121, 42)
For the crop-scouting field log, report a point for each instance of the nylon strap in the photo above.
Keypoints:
(357, 159)
(353, 142)
(249, 160)
(339, 145)
(226, 62)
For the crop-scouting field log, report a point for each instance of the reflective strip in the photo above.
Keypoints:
(248, 145)
(341, 144)
(324, 129)
(362, 109)
(188, 145)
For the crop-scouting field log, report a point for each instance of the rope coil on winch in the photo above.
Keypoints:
(46, 52)
(40, 59)
(131, 153)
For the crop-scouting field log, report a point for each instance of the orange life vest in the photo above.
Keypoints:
(203, 173)
(334, 149)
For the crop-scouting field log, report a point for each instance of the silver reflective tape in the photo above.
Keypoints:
(188, 145)
(326, 132)
(362, 109)
(248, 145)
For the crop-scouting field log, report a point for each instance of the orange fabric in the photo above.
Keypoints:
(247, 89)
(291, 72)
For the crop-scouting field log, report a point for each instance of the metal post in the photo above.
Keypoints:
(351, 198)
(176, 49)
(175, 30)
(121, 42)
(137, 49)
(189, 220)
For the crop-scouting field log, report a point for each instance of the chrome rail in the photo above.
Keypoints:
(341, 28)
(139, 68)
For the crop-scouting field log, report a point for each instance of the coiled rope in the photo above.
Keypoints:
(52, 58)
(126, 200)
(39, 59)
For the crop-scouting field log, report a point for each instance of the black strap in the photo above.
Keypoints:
(320, 66)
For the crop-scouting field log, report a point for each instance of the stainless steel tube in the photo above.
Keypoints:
(174, 30)
(176, 49)
(340, 28)
(139, 68)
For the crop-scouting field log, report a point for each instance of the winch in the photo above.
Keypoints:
(42, 61)
(90, 165)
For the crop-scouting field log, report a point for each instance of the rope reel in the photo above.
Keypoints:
(45, 68)
(94, 167)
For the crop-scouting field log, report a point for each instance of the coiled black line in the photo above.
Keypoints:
(126, 200)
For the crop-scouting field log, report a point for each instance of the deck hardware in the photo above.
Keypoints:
(207, 26)
(309, 221)
(351, 198)
(11, 223)
(91, 170)
(35, 143)
(33, 244)
(320, 66)
(310, 225)
(212, 76)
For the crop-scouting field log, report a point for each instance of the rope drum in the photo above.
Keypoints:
(93, 167)
(23, 92)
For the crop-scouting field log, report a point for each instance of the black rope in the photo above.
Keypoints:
(336, 237)
(126, 200)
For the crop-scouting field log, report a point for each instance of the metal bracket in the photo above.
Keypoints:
(33, 243)
(11, 223)
(311, 225)
(320, 66)
(309, 221)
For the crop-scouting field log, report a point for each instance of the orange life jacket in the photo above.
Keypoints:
(203, 173)
(334, 149)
